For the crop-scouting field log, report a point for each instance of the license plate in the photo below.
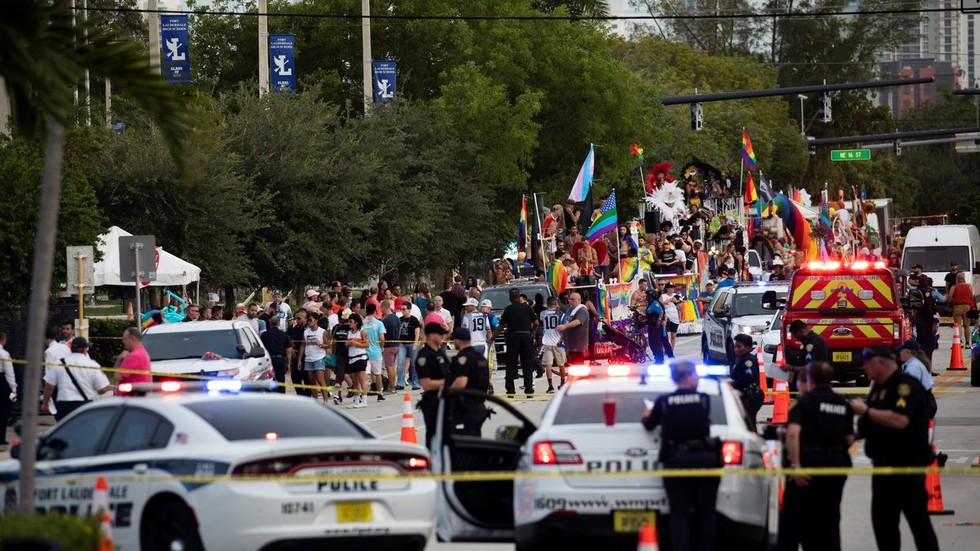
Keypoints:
(841, 357)
(354, 511)
(632, 521)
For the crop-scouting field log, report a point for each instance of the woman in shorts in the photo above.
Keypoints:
(314, 355)
(357, 360)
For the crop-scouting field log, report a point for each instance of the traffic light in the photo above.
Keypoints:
(697, 117)
(826, 111)
(898, 148)
(811, 150)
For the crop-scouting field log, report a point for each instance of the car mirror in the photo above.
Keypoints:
(257, 352)
(509, 433)
(241, 349)
(769, 300)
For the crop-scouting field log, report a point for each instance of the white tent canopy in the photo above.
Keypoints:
(171, 270)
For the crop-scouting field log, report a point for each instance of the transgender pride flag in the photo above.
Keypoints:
(584, 179)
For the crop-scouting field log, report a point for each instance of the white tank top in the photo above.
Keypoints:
(355, 353)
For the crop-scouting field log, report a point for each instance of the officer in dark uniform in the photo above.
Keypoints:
(894, 421)
(686, 444)
(745, 375)
(469, 369)
(819, 433)
(813, 349)
(296, 339)
(520, 321)
(432, 367)
(276, 342)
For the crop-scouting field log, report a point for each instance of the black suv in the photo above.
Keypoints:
(499, 297)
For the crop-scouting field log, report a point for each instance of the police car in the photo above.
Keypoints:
(144, 445)
(214, 348)
(734, 310)
(564, 495)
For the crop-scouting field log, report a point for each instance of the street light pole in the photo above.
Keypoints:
(263, 48)
(802, 130)
(366, 53)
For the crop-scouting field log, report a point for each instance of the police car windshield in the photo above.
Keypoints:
(252, 419)
(935, 259)
(750, 304)
(586, 409)
(500, 298)
(191, 344)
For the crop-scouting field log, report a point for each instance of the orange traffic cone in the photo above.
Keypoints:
(763, 385)
(100, 505)
(648, 538)
(129, 312)
(956, 357)
(933, 485)
(780, 410)
(780, 360)
(408, 421)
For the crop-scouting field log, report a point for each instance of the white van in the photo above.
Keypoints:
(935, 247)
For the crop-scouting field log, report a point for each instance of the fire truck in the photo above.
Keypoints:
(851, 306)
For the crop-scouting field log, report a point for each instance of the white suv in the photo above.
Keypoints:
(735, 310)
(220, 348)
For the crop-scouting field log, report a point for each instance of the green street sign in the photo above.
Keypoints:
(850, 155)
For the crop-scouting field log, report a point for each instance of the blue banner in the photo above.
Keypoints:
(282, 63)
(384, 81)
(175, 57)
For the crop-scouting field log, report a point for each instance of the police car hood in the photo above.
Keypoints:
(761, 320)
(195, 365)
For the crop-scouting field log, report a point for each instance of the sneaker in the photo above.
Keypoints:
(399, 387)
(381, 398)
(337, 399)
(416, 388)
(551, 390)
(361, 404)
(350, 394)
(529, 396)
(390, 392)
(539, 372)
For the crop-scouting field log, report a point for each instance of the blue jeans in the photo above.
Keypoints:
(406, 351)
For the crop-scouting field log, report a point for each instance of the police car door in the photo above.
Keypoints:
(719, 314)
(64, 456)
(480, 510)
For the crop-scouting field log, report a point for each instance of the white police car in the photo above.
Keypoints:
(734, 310)
(143, 445)
(213, 348)
(555, 501)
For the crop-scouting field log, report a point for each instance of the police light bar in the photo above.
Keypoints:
(831, 265)
(663, 370)
(214, 386)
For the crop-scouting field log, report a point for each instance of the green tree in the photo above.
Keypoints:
(714, 36)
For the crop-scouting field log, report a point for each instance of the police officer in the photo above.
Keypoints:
(432, 367)
(469, 369)
(745, 375)
(894, 422)
(520, 321)
(813, 348)
(686, 444)
(819, 433)
(276, 342)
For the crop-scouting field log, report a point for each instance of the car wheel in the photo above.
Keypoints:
(171, 526)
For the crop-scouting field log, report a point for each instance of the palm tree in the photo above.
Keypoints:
(42, 57)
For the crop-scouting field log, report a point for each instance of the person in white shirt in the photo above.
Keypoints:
(55, 350)
(79, 381)
(282, 309)
(478, 324)
(312, 356)
(8, 388)
(447, 317)
(670, 301)
(552, 354)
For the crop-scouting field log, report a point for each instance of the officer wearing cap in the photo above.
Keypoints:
(819, 433)
(894, 422)
(520, 321)
(745, 375)
(432, 367)
(812, 349)
(686, 444)
(469, 369)
(916, 364)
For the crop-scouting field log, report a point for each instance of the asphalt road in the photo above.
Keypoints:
(956, 434)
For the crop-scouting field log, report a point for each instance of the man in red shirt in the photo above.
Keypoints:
(602, 255)
(134, 362)
(962, 301)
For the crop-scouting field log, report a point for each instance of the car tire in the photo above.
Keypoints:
(171, 523)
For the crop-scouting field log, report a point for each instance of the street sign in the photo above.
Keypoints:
(970, 146)
(850, 155)
(142, 247)
(970, 6)
(87, 269)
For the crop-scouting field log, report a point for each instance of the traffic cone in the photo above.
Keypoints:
(933, 485)
(129, 312)
(780, 360)
(780, 410)
(762, 375)
(408, 421)
(100, 504)
(648, 538)
(956, 357)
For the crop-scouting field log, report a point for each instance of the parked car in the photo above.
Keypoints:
(220, 348)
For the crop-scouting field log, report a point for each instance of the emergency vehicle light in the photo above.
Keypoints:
(816, 265)
(731, 452)
(213, 386)
(224, 386)
(618, 371)
(579, 371)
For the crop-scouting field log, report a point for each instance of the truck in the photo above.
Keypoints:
(851, 306)
(935, 247)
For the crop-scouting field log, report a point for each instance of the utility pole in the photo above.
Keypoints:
(153, 20)
(108, 102)
(86, 84)
(263, 48)
(802, 130)
(366, 52)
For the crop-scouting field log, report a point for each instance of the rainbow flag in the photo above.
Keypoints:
(796, 224)
(748, 154)
(522, 237)
(606, 221)
(751, 195)
(557, 276)
(583, 182)
(628, 269)
(602, 305)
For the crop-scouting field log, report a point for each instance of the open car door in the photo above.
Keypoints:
(477, 510)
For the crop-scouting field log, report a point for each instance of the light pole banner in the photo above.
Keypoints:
(282, 62)
(176, 59)
(384, 81)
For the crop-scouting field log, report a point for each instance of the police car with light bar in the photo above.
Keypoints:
(574, 485)
(734, 310)
(331, 481)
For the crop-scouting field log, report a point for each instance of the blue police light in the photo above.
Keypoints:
(663, 370)
(223, 385)
(760, 283)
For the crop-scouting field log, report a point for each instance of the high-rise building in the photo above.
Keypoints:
(623, 8)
